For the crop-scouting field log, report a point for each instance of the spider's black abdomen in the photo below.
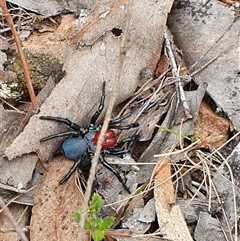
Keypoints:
(74, 147)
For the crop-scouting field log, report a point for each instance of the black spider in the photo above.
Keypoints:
(83, 141)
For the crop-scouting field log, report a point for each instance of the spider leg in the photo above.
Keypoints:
(65, 121)
(114, 171)
(67, 133)
(111, 151)
(71, 171)
(116, 153)
(112, 123)
(125, 140)
(133, 125)
(120, 119)
(100, 107)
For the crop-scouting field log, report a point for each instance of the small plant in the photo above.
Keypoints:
(96, 225)
(192, 139)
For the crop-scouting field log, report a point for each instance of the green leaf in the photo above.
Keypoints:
(87, 225)
(96, 204)
(96, 223)
(98, 235)
(77, 217)
(106, 223)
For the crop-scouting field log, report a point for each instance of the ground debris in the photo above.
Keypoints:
(53, 199)
(48, 9)
(191, 184)
(208, 229)
(41, 67)
(218, 45)
(169, 215)
(227, 182)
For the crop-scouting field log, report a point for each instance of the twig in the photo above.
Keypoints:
(212, 60)
(21, 55)
(178, 151)
(17, 196)
(6, 29)
(104, 127)
(224, 144)
(14, 108)
(205, 159)
(196, 62)
(145, 87)
(175, 73)
(10, 217)
(234, 198)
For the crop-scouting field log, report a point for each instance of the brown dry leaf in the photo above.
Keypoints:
(52, 43)
(230, 2)
(54, 205)
(170, 218)
(77, 95)
(21, 215)
(162, 65)
(213, 129)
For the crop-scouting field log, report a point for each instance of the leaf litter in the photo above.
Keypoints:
(60, 201)
(89, 89)
(85, 70)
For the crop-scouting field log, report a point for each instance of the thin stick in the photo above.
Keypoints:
(10, 217)
(13, 107)
(212, 60)
(175, 73)
(21, 55)
(234, 197)
(196, 62)
(104, 128)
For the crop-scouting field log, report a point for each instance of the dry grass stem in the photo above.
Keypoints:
(21, 55)
(13, 222)
(105, 126)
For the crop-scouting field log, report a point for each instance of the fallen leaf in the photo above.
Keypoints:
(16, 173)
(52, 43)
(162, 65)
(54, 205)
(148, 212)
(213, 129)
(169, 215)
(227, 183)
(19, 172)
(132, 222)
(54, 7)
(220, 42)
(164, 139)
(208, 229)
(191, 208)
(107, 182)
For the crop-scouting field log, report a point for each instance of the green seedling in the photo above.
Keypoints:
(93, 223)
(192, 139)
